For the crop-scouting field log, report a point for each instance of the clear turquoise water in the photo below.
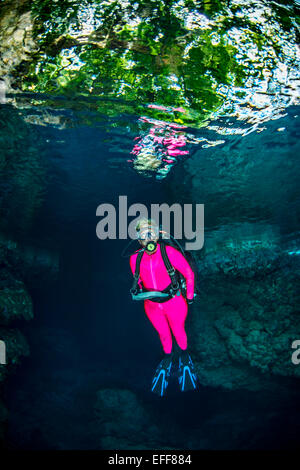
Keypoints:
(79, 78)
(87, 334)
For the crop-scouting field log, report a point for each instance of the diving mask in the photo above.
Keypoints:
(148, 233)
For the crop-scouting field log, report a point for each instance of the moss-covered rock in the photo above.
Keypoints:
(17, 44)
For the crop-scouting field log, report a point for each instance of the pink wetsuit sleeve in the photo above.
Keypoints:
(180, 263)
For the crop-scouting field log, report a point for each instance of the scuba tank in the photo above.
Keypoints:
(191, 261)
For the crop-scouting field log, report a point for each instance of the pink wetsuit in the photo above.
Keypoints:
(167, 317)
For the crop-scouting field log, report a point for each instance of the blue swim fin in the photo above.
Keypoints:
(187, 376)
(161, 377)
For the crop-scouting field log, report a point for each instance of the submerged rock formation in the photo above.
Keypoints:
(22, 182)
(247, 313)
(15, 304)
(246, 319)
(124, 422)
(127, 420)
(22, 173)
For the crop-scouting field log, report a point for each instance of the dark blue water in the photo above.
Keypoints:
(87, 334)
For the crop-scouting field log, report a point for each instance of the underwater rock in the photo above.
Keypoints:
(22, 172)
(35, 266)
(125, 424)
(15, 301)
(15, 304)
(16, 348)
(125, 420)
(246, 318)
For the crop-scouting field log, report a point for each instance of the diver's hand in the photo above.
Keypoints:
(190, 301)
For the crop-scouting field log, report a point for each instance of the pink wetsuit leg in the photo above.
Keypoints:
(176, 311)
(157, 316)
(168, 317)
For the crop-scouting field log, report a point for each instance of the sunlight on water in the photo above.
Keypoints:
(183, 64)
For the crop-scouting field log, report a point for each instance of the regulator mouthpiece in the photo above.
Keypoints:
(151, 247)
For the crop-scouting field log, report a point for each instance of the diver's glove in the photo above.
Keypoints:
(190, 301)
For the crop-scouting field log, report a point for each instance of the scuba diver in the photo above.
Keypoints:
(164, 280)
